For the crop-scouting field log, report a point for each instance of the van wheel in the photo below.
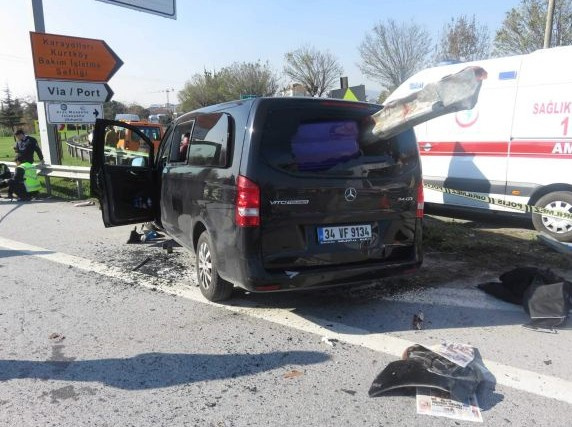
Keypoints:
(559, 228)
(212, 286)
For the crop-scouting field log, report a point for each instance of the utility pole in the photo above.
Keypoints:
(48, 132)
(549, 22)
(167, 92)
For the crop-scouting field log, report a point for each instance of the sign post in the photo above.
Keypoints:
(48, 133)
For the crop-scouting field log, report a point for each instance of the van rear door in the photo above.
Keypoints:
(331, 193)
(123, 181)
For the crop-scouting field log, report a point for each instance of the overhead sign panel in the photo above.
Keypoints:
(52, 90)
(72, 58)
(165, 8)
(73, 113)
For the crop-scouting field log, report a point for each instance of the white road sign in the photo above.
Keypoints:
(74, 113)
(52, 90)
(165, 8)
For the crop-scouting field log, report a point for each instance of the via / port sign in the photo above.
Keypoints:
(52, 90)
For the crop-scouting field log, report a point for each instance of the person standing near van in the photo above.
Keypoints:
(26, 146)
(111, 138)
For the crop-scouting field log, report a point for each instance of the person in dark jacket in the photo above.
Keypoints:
(26, 146)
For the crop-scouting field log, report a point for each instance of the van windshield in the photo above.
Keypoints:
(333, 141)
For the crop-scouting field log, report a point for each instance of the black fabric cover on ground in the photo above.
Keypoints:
(547, 303)
(423, 368)
(513, 283)
(545, 296)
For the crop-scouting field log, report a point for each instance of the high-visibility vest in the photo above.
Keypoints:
(31, 181)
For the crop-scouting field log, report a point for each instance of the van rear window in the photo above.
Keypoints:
(333, 141)
(319, 146)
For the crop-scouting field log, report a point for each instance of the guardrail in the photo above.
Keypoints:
(116, 155)
(77, 173)
(78, 149)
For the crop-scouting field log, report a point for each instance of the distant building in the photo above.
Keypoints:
(295, 89)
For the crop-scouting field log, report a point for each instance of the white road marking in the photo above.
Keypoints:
(519, 379)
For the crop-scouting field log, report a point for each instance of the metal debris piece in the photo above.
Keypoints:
(56, 337)
(455, 92)
(82, 204)
(134, 236)
(417, 322)
(141, 264)
(330, 341)
(293, 374)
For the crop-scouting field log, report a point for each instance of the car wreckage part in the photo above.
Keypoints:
(456, 92)
(422, 367)
(212, 286)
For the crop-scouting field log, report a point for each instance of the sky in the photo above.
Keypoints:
(161, 54)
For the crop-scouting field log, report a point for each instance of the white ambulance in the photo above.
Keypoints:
(514, 149)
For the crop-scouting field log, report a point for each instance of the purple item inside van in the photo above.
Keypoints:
(322, 145)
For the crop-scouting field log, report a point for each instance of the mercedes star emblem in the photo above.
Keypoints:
(350, 194)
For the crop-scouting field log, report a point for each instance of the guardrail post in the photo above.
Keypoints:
(79, 188)
(48, 185)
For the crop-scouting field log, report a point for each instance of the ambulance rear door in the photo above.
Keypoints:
(468, 150)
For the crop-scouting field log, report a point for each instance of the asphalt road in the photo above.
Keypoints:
(88, 341)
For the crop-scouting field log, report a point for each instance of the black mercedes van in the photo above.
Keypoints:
(272, 194)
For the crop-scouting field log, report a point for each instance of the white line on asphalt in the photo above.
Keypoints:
(520, 379)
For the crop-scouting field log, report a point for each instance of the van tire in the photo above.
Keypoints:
(560, 229)
(212, 286)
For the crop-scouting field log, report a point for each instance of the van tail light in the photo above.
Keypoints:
(247, 213)
(420, 201)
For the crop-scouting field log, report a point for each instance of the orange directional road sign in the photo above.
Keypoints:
(72, 58)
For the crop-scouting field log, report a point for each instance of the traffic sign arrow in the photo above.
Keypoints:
(72, 58)
(73, 113)
(52, 90)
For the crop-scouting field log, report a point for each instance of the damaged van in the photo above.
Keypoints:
(274, 194)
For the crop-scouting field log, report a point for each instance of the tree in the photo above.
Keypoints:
(30, 112)
(248, 78)
(141, 111)
(523, 28)
(315, 70)
(202, 90)
(463, 40)
(393, 52)
(111, 108)
(231, 82)
(11, 111)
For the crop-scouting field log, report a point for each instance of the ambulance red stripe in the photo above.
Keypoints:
(518, 148)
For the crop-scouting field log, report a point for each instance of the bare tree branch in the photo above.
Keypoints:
(523, 28)
(315, 70)
(463, 40)
(391, 53)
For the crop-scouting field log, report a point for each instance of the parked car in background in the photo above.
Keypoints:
(514, 146)
(274, 194)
